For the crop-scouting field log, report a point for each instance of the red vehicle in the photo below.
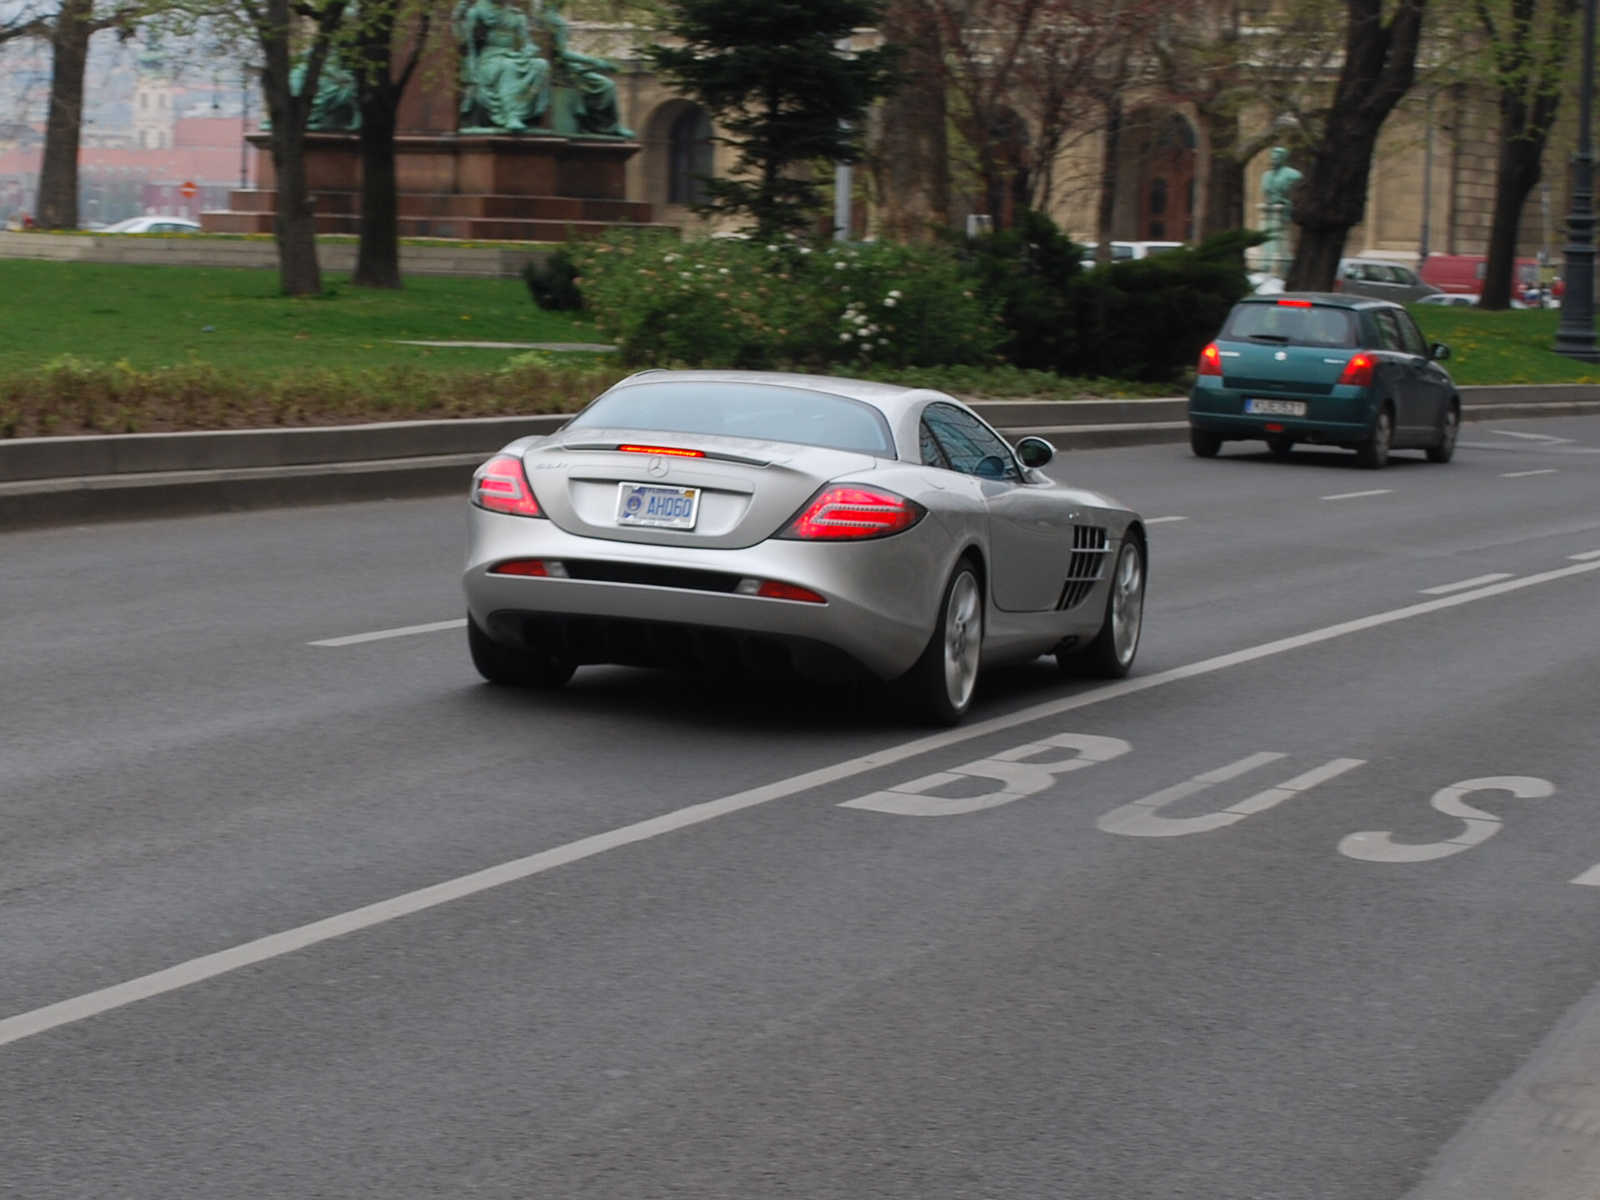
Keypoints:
(1463, 274)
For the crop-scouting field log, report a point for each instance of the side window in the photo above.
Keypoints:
(1404, 275)
(968, 444)
(932, 455)
(1388, 330)
(1411, 336)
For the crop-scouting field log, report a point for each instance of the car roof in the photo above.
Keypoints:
(890, 398)
(1328, 299)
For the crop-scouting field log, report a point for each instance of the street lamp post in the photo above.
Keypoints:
(1575, 337)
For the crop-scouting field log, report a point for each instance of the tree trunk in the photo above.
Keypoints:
(293, 223)
(1379, 66)
(1224, 197)
(1516, 175)
(913, 154)
(1106, 216)
(378, 254)
(58, 174)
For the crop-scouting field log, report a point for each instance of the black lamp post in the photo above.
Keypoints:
(1575, 337)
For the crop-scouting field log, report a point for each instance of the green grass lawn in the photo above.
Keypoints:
(156, 316)
(1501, 347)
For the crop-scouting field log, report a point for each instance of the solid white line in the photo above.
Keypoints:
(354, 639)
(1444, 589)
(1590, 878)
(80, 1008)
(1358, 495)
(1525, 474)
(1586, 556)
(1533, 437)
(1164, 520)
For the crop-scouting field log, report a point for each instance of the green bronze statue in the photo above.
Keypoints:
(596, 109)
(1278, 181)
(336, 108)
(505, 83)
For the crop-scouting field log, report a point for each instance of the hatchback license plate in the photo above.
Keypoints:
(657, 507)
(1276, 408)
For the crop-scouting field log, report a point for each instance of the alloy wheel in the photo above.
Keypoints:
(963, 639)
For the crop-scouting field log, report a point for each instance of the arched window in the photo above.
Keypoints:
(688, 157)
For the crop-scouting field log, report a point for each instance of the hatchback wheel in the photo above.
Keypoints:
(941, 685)
(1111, 654)
(1447, 435)
(512, 666)
(1374, 452)
(1204, 443)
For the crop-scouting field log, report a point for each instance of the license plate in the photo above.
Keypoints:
(657, 507)
(1276, 408)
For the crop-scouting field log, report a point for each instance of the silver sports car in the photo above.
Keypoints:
(791, 523)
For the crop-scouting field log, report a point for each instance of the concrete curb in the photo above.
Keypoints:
(74, 480)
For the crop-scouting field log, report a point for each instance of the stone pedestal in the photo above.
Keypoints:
(498, 187)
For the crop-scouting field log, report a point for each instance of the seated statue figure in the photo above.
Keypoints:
(505, 84)
(590, 77)
(336, 108)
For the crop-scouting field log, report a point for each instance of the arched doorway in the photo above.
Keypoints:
(690, 153)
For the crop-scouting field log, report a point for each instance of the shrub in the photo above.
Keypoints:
(551, 283)
(1026, 273)
(728, 302)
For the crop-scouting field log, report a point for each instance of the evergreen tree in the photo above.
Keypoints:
(769, 72)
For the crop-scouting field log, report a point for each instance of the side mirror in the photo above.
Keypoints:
(1438, 352)
(1035, 452)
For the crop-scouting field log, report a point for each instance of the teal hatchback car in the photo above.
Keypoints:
(1330, 370)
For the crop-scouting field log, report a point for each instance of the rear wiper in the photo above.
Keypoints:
(1268, 337)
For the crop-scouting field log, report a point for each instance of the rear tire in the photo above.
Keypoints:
(1374, 452)
(1280, 445)
(1110, 655)
(512, 666)
(939, 688)
(1445, 450)
(1204, 443)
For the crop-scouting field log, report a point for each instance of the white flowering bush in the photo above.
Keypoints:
(736, 303)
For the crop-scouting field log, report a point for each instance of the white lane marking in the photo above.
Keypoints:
(91, 1004)
(1017, 777)
(1164, 520)
(1358, 495)
(1142, 819)
(1546, 438)
(353, 639)
(1444, 589)
(1525, 474)
(1586, 556)
(1590, 878)
(1380, 846)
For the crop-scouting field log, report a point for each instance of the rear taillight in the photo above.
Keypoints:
(771, 589)
(501, 486)
(1357, 372)
(852, 513)
(531, 568)
(1211, 360)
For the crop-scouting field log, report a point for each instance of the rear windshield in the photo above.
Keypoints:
(764, 412)
(1292, 325)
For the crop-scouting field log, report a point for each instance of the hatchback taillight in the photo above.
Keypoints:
(1357, 372)
(1210, 360)
(851, 514)
(501, 486)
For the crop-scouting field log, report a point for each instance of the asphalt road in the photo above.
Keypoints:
(1109, 988)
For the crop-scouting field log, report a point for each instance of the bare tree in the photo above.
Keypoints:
(379, 28)
(70, 30)
(1527, 42)
(1380, 57)
(910, 159)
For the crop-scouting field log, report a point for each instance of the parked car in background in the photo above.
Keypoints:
(1462, 274)
(154, 225)
(1127, 251)
(1264, 284)
(1381, 281)
(1451, 299)
(1332, 370)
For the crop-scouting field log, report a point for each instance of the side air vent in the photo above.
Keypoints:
(1088, 564)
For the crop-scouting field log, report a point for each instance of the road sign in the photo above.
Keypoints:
(188, 191)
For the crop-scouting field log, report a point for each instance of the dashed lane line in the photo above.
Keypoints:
(1358, 495)
(1444, 589)
(1164, 520)
(354, 639)
(1586, 556)
(209, 966)
(1525, 474)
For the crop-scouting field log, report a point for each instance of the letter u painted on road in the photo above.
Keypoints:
(1017, 771)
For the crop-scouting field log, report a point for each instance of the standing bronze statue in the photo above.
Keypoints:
(505, 83)
(1277, 208)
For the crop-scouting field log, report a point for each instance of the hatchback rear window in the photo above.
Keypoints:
(760, 411)
(1292, 325)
